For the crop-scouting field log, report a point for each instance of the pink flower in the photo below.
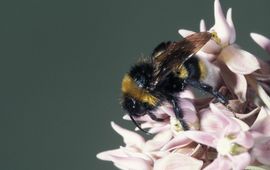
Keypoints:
(231, 140)
(229, 57)
(138, 154)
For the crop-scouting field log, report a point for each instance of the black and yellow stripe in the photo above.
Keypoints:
(130, 88)
(193, 68)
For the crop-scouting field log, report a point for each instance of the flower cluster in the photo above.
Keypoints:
(234, 137)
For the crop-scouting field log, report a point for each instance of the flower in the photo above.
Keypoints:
(226, 54)
(229, 137)
(138, 154)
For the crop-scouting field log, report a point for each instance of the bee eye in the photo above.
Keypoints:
(134, 107)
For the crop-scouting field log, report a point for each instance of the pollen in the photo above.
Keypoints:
(176, 126)
(183, 73)
(216, 38)
(226, 146)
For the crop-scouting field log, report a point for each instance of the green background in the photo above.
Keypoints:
(61, 64)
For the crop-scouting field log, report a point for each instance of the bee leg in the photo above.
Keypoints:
(207, 88)
(154, 117)
(178, 112)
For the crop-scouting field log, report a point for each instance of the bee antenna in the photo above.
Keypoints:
(137, 125)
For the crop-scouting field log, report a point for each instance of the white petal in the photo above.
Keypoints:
(241, 161)
(239, 61)
(158, 141)
(221, 26)
(262, 123)
(132, 163)
(134, 153)
(184, 33)
(261, 150)
(236, 83)
(207, 56)
(264, 96)
(176, 161)
(219, 163)
(187, 93)
(202, 137)
(211, 47)
(107, 155)
(261, 40)
(231, 25)
(178, 141)
(202, 26)
(130, 138)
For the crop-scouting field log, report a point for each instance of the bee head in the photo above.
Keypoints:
(137, 97)
(135, 107)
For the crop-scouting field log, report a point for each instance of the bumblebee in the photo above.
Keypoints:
(169, 70)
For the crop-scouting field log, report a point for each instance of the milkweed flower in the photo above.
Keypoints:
(226, 53)
(137, 153)
(234, 137)
(229, 137)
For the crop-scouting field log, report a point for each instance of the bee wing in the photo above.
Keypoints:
(176, 53)
(162, 47)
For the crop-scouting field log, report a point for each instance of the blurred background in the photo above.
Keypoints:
(61, 65)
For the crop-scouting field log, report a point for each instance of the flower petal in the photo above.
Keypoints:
(189, 111)
(202, 137)
(231, 25)
(107, 155)
(187, 94)
(208, 56)
(245, 139)
(202, 26)
(263, 95)
(133, 152)
(168, 110)
(177, 142)
(262, 123)
(184, 33)
(239, 61)
(261, 41)
(236, 83)
(261, 150)
(219, 163)
(176, 161)
(125, 158)
(241, 161)
(157, 129)
(129, 137)
(211, 121)
(132, 163)
(221, 26)
(158, 141)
